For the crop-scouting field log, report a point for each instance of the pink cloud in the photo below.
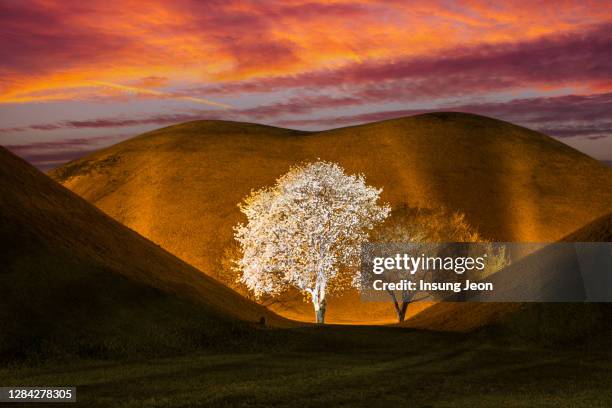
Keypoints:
(559, 59)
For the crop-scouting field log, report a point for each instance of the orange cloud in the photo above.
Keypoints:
(51, 50)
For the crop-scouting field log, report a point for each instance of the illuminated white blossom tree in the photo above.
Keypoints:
(306, 230)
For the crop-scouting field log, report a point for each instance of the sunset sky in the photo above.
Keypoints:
(79, 75)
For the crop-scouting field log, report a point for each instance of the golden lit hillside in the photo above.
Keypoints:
(74, 279)
(179, 186)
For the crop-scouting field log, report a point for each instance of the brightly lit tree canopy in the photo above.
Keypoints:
(305, 230)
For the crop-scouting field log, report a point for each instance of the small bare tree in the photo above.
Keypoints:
(423, 227)
(305, 231)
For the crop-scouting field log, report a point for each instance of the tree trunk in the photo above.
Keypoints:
(406, 300)
(319, 308)
(400, 311)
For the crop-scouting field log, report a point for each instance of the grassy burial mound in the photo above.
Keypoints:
(74, 280)
(179, 186)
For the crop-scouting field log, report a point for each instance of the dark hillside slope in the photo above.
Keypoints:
(74, 280)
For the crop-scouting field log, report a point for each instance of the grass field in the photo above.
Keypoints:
(343, 365)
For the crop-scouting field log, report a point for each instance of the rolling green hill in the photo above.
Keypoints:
(179, 186)
(73, 280)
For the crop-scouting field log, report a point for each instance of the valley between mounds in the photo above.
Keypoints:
(179, 186)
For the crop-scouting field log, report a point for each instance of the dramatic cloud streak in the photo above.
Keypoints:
(313, 64)
(49, 47)
(554, 60)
